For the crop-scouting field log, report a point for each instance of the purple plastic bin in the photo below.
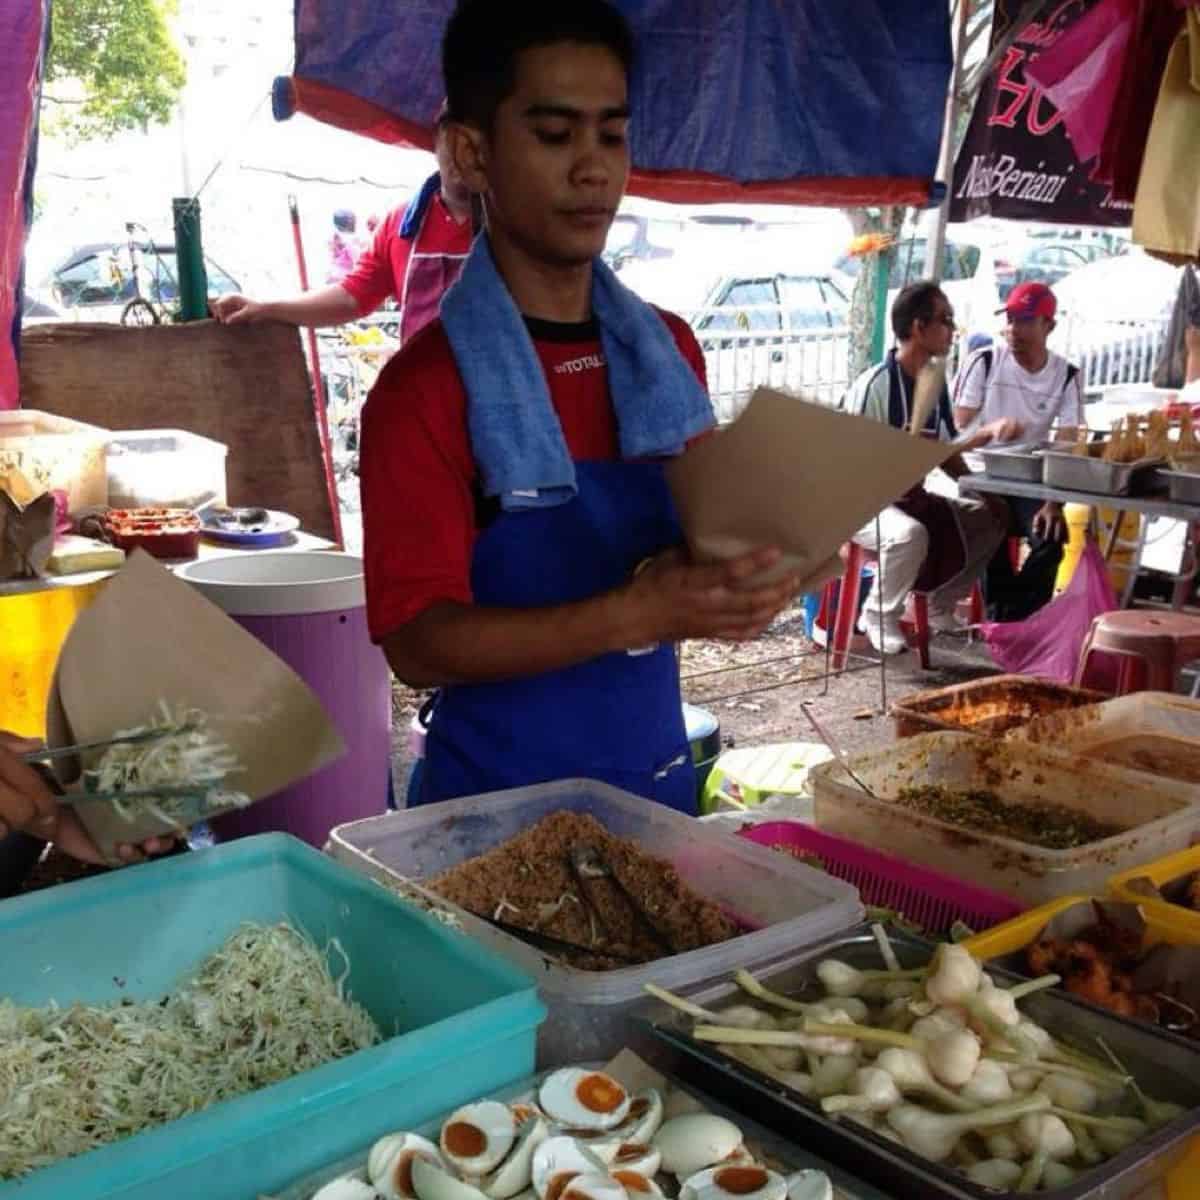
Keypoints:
(310, 609)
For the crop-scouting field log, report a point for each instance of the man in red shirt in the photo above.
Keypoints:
(521, 554)
(415, 256)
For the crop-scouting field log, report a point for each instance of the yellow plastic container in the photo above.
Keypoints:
(1181, 925)
(33, 627)
(1077, 518)
(1183, 1181)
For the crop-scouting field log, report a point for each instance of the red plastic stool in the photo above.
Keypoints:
(1149, 647)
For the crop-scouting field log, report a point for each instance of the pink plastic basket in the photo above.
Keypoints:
(927, 898)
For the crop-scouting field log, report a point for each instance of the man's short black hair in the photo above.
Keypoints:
(917, 302)
(485, 37)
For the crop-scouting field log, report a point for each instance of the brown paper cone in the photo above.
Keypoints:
(149, 637)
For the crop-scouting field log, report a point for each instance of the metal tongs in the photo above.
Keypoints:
(587, 864)
(46, 754)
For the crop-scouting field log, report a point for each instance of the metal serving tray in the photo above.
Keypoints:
(1183, 486)
(1023, 463)
(1168, 1065)
(1083, 473)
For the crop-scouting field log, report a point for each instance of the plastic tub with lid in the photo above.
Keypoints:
(309, 607)
(56, 454)
(171, 468)
(1156, 815)
(785, 903)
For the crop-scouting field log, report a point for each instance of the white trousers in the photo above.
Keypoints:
(900, 543)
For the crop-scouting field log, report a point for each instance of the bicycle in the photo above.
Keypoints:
(141, 310)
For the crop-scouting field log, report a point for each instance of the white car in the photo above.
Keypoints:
(770, 315)
(1113, 317)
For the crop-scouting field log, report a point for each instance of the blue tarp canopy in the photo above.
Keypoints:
(796, 101)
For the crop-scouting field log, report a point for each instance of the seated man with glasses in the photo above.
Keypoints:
(936, 543)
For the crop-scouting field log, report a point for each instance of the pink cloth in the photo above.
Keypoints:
(22, 23)
(1081, 72)
(1047, 644)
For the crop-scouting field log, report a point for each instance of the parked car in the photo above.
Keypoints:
(1113, 316)
(968, 277)
(1047, 262)
(98, 281)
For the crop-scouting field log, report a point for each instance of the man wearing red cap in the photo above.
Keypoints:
(1025, 382)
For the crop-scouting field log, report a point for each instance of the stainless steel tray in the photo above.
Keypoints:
(1023, 463)
(1170, 1067)
(777, 1152)
(1082, 473)
(1183, 486)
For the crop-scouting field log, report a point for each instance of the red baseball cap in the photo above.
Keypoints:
(1029, 300)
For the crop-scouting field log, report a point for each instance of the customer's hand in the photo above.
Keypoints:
(1006, 429)
(236, 309)
(27, 805)
(1049, 523)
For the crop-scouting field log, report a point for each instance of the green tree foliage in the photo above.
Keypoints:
(113, 65)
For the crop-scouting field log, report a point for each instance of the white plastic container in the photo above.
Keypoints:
(56, 454)
(1154, 732)
(170, 468)
(789, 904)
(1160, 815)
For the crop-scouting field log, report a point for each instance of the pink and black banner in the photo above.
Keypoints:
(24, 30)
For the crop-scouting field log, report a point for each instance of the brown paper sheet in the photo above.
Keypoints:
(150, 637)
(26, 529)
(796, 475)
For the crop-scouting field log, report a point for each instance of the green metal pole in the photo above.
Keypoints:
(189, 255)
(883, 262)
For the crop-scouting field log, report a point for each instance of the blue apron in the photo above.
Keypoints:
(617, 718)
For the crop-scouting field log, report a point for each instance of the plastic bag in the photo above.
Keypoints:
(1048, 643)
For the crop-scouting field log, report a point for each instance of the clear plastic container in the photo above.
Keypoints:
(167, 468)
(1156, 732)
(785, 903)
(56, 454)
(1161, 815)
(457, 1020)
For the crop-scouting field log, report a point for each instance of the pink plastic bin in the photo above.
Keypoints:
(928, 898)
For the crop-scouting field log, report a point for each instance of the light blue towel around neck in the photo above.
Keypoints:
(515, 433)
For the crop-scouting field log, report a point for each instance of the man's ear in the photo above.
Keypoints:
(1051, 325)
(468, 152)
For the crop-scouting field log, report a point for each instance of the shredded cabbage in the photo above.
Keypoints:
(190, 754)
(261, 1009)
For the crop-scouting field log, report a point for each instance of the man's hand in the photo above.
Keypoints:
(1004, 430)
(1049, 524)
(236, 309)
(27, 805)
(672, 598)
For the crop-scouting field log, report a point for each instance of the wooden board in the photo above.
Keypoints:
(246, 386)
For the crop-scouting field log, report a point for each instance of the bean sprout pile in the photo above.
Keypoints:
(261, 1009)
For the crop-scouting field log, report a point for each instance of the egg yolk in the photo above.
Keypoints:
(631, 1181)
(629, 1152)
(740, 1181)
(599, 1094)
(559, 1184)
(464, 1140)
(402, 1172)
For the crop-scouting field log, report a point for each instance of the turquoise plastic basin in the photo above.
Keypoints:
(459, 1021)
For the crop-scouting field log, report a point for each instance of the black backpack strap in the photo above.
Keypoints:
(1072, 373)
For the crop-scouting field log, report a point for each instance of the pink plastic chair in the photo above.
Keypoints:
(1149, 647)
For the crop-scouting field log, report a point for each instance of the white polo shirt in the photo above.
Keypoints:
(1038, 400)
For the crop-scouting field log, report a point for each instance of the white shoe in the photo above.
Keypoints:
(889, 639)
(945, 620)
